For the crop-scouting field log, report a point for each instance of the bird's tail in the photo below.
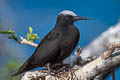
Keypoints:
(22, 69)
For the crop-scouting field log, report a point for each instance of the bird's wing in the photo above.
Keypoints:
(50, 35)
(47, 49)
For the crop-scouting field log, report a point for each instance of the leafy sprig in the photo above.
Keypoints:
(30, 35)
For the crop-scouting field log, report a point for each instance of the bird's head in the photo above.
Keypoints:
(68, 17)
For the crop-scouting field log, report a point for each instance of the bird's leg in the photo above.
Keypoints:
(48, 67)
(50, 70)
(61, 69)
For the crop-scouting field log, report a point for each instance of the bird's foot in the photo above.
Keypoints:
(63, 69)
(51, 71)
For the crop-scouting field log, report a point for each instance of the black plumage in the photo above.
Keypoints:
(57, 44)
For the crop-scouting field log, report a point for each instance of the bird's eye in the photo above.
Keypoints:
(68, 17)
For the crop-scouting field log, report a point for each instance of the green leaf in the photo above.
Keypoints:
(11, 31)
(37, 37)
(31, 36)
(30, 30)
(10, 37)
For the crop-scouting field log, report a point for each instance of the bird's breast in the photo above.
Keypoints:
(70, 38)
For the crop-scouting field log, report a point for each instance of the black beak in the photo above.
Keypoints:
(80, 18)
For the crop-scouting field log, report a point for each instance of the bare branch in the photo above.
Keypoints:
(86, 72)
(101, 64)
(24, 41)
(102, 42)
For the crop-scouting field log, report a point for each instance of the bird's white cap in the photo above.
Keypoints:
(67, 12)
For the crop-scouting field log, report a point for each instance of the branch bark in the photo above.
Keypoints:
(102, 42)
(103, 63)
(85, 72)
(24, 41)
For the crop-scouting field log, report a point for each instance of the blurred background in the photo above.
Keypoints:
(41, 16)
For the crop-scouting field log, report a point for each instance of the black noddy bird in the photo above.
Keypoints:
(57, 44)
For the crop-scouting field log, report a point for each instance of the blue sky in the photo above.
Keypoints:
(41, 15)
